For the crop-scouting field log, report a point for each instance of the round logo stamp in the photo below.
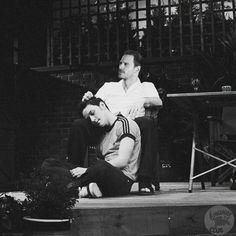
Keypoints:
(219, 220)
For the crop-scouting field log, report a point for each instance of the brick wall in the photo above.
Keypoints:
(48, 107)
(36, 112)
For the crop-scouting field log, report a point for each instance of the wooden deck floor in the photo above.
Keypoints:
(171, 194)
(171, 211)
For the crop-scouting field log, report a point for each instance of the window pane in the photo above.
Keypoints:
(142, 24)
(154, 2)
(132, 5)
(83, 2)
(142, 14)
(56, 4)
(75, 12)
(228, 4)
(93, 9)
(141, 4)
(74, 3)
(65, 3)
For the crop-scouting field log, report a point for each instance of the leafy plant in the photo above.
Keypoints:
(11, 213)
(48, 197)
(215, 70)
(229, 43)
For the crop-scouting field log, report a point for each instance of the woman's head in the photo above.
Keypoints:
(95, 109)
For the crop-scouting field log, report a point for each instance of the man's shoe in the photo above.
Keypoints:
(233, 184)
(91, 191)
(145, 189)
(157, 187)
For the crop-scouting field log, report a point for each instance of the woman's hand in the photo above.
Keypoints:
(78, 171)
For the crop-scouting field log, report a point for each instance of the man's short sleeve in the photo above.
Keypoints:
(149, 90)
(102, 92)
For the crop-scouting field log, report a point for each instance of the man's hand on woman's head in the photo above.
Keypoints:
(87, 96)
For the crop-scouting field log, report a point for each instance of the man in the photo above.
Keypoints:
(129, 97)
(119, 148)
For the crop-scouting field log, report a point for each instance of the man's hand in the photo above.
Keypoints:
(78, 171)
(87, 96)
(135, 109)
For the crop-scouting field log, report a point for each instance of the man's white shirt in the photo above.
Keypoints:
(120, 101)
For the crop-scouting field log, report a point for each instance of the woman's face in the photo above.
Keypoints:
(96, 114)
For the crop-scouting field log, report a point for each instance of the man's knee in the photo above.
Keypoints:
(145, 123)
(102, 165)
(79, 123)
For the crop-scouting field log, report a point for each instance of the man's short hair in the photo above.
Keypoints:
(92, 101)
(137, 57)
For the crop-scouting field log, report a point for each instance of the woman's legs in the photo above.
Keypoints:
(110, 180)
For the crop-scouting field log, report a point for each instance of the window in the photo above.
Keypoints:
(96, 31)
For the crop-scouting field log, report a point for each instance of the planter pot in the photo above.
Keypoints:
(46, 227)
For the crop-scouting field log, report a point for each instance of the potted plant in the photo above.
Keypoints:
(48, 205)
(11, 213)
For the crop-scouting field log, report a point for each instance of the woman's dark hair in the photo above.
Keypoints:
(137, 57)
(92, 101)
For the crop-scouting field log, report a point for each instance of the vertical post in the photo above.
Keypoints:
(70, 34)
(48, 46)
(160, 30)
(170, 29)
(79, 33)
(181, 15)
(193, 153)
(201, 26)
(149, 31)
(191, 26)
(15, 51)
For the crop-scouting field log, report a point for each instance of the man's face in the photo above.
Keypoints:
(96, 114)
(127, 69)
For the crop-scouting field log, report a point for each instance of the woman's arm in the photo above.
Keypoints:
(125, 152)
(78, 171)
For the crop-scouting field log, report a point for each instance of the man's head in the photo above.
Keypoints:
(130, 65)
(96, 110)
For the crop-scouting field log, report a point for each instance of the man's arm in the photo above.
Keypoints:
(146, 102)
(125, 152)
(152, 102)
(151, 98)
